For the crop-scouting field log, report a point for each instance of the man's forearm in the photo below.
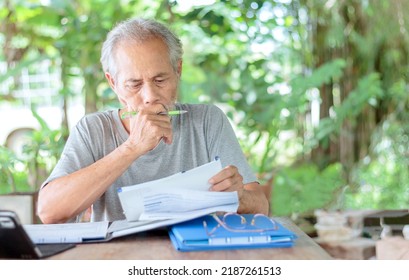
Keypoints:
(66, 197)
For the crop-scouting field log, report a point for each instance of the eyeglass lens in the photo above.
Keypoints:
(235, 221)
(261, 221)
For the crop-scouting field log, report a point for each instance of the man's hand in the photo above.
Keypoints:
(148, 128)
(229, 179)
(251, 197)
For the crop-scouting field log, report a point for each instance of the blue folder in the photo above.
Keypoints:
(192, 236)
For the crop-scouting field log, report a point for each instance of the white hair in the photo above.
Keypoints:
(139, 30)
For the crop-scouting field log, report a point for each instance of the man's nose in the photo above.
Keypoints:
(149, 94)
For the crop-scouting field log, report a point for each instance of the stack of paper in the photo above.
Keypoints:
(174, 199)
(182, 195)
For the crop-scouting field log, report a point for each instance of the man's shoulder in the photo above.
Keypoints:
(200, 108)
(96, 118)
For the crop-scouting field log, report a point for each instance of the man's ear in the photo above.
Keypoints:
(179, 70)
(110, 80)
(112, 84)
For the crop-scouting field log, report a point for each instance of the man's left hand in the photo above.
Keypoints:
(229, 179)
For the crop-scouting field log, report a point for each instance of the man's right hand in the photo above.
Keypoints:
(147, 128)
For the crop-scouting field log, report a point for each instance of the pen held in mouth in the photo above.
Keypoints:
(130, 114)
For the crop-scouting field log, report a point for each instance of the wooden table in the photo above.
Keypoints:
(156, 245)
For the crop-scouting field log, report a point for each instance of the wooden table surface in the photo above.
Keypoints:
(156, 245)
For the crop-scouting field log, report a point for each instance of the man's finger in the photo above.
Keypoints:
(226, 172)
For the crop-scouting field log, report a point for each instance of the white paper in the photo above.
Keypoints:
(177, 196)
(66, 233)
(193, 179)
(123, 227)
(188, 215)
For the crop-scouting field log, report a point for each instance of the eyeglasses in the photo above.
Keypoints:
(237, 223)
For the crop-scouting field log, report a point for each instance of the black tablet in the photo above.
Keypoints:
(16, 244)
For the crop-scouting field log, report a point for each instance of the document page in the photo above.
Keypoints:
(67, 233)
(177, 196)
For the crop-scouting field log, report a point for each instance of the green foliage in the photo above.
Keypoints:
(42, 151)
(20, 181)
(326, 73)
(301, 189)
(13, 176)
(380, 182)
(368, 92)
(26, 172)
(382, 177)
(8, 162)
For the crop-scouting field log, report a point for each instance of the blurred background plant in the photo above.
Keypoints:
(317, 90)
(23, 170)
(9, 173)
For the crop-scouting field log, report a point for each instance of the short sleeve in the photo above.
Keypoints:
(222, 142)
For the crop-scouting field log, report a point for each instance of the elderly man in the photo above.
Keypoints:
(142, 61)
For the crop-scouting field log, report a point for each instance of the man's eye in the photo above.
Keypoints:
(159, 81)
(133, 86)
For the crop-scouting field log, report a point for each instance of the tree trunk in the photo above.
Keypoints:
(347, 135)
(324, 153)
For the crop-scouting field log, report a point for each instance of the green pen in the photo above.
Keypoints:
(126, 115)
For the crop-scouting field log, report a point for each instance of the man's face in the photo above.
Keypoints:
(145, 76)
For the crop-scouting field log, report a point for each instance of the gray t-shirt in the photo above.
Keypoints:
(198, 137)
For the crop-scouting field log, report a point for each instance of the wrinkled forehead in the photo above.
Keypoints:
(146, 58)
(152, 49)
